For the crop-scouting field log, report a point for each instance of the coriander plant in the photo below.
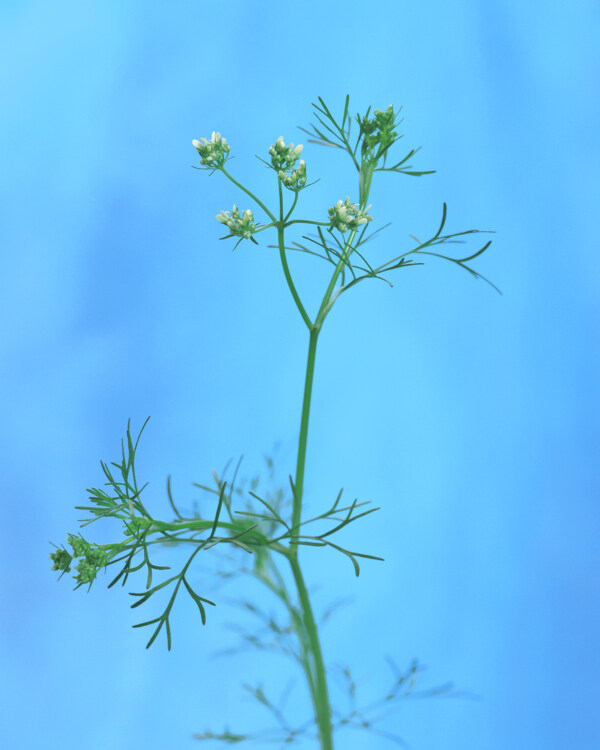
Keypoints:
(264, 527)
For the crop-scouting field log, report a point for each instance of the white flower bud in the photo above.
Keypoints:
(196, 144)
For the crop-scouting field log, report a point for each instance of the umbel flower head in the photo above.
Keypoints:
(345, 215)
(91, 559)
(61, 559)
(295, 179)
(239, 225)
(213, 153)
(284, 157)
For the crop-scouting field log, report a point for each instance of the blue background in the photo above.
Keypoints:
(471, 418)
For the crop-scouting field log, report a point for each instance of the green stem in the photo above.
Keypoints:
(365, 177)
(292, 207)
(324, 309)
(302, 441)
(316, 674)
(308, 221)
(284, 263)
(254, 198)
(317, 677)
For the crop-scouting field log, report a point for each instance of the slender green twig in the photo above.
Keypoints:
(254, 198)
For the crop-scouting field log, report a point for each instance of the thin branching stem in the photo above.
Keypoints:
(254, 198)
(284, 263)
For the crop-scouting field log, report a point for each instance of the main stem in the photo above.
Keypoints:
(317, 677)
(315, 666)
(302, 441)
(313, 663)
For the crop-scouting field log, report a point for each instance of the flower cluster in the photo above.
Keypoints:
(283, 161)
(284, 157)
(294, 179)
(92, 558)
(379, 130)
(61, 559)
(213, 153)
(240, 225)
(345, 215)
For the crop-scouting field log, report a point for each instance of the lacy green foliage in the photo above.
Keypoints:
(375, 137)
(260, 533)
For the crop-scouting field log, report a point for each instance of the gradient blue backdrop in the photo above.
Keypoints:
(471, 418)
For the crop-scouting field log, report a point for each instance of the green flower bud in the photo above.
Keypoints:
(61, 559)
(79, 545)
(133, 526)
(378, 131)
(86, 572)
(88, 567)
